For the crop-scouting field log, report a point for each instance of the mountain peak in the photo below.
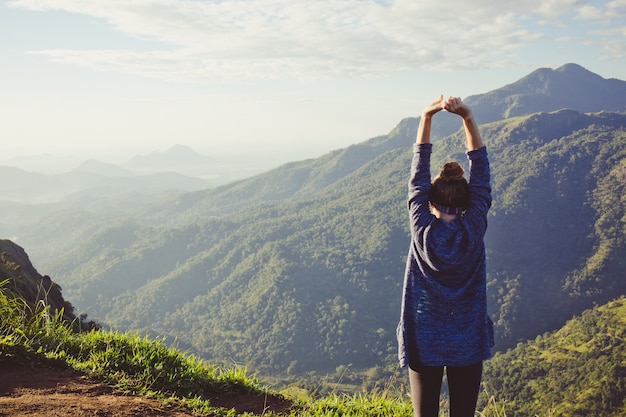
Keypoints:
(181, 150)
(94, 166)
(544, 90)
(572, 68)
(565, 74)
(178, 158)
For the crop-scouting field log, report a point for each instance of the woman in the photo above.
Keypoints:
(444, 321)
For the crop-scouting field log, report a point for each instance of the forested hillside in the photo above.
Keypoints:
(301, 268)
(579, 370)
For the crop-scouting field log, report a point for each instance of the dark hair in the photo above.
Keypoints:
(450, 188)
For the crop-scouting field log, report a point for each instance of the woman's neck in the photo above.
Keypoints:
(443, 216)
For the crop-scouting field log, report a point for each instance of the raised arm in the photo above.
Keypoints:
(456, 106)
(423, 132)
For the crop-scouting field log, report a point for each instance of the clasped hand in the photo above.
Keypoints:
(452, 104)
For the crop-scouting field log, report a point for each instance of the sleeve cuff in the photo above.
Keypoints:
(477, 153)
(422, 147)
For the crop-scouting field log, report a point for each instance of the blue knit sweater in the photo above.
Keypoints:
(444, 319)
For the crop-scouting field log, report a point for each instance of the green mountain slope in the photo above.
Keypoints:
(315, 282)
(556, 235)
(579, 370)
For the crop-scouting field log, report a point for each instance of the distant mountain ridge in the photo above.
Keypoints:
(179, 158)
(300, 268)
(569, 86)
(179, 168)
(94, 166)
(297, 179)
(20, 186)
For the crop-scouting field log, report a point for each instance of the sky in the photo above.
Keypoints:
(269, 80)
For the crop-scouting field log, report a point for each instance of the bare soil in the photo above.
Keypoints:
(46, 392)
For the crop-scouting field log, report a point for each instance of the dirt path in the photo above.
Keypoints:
(43, 392)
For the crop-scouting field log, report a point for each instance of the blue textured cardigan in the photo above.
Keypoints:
(444, 319)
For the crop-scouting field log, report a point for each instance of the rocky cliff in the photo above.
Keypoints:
(19, 278)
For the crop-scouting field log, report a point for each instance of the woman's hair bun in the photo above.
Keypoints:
(452, 171)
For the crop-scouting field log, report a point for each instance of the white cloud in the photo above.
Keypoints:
(264, 39)
(556, 8)
(613, 10)
(591, 13)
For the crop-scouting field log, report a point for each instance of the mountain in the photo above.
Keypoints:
(17, 185)
(300, 268)
(94, 166)
(567, 87)
(144, 177)
(90, 178)
(542, 91)
(179, 158)
(293, 285)
(578, 370)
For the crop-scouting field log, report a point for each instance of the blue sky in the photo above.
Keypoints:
(277, 80)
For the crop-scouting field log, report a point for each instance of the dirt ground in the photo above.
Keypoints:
(43, 392)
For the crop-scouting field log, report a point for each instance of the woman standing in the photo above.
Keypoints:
(444, 321)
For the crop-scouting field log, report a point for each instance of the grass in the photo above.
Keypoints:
(372, 404)
(147, 367)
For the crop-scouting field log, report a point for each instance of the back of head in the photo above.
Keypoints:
(450, 189)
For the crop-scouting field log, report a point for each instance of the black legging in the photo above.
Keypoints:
(463, 387)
